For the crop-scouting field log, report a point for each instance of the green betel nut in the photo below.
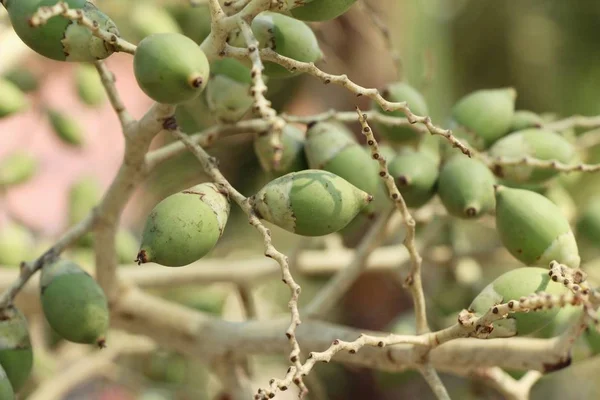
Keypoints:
(66, 128)
(466, 187)
(89, 85)
(524, 119)
(16, 243)
(537, 143)
(73, 303)
(588, 223)
(285, 35)
(185, 226)
(13, 100)
(22, 78)
(16, 355)
(533, 229)
(415, 174)
(320, 10)
(332, 147)
(17, 167)
(6, 390)
(398, 92)
(293, 156)
(486, 113)
(227, 99)
(60, 38)
(513, 285)
(170, 68)
(310, 202)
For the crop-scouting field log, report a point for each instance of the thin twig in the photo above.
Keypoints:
(435, 383)
(108, 80)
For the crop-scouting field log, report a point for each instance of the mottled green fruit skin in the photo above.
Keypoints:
(310, 202)
(228, 99)
(332, 147)
(524, 119)
(6, 390)
(13, 100)
(22, 78)
(533, 229)
(232, 69)
(185, 226)
(61, 39)
(170, 68)
(66, 128)
(16, 243)
(416, 174)
(321, 10)
(285, 35)
(513, 285)
(16, 355)
(89, 85)
(293, 157)
(17, 168)
(466, 187)
(397, 92)
(73, 303)
(487, 113)
(537, 143)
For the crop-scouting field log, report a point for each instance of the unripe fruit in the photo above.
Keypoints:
(73, 303)
(285, 35)
(89, 86)
(321, 10)
(60, 38)
(332, 147)
(533, 229)
(13, 100)
(22, 78)
(227, 93)
(486, 113)
(126, 244)
(293, 156)
(588, 224)
(194, 21)
(6, 390)
(170, 68)
(185, 226)
(397, 92)
(415, 174)
(537, 143)
(466, 187)
(66, 128)
(148, 18)
(17, 167)
(84, 195)
(16, 355)
(513, 285)
(16, 243)
(592, 337)
(310, 202)
(524, 119)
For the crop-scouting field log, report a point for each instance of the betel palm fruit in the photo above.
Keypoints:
(185, 226)
(89, 86)
(415, 173)
(22, 78)
(285, 35)
(227, 93)
(533, 229)
(60, 38)
(73, 303)
(16, 355)
(320, 10)
(13, 100)
(332, 147)
(537, 143)
(16, 243)
(148, 18)
(170, 68)
(466, 187)
(398, 92)
(310, 202)
(513, 285)
(66, 128)
(17, 167)
(293, 156)
(486, 113)
(84, 194)
(524, 119)
(6, 390)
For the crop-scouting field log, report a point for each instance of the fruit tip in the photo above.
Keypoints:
(471, 211)
(498, 188)
(101, 343)
(196, 81)
(142, 257)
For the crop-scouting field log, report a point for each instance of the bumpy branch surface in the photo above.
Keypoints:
(108, 80)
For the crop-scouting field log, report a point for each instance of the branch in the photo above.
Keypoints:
(209, 165)
(496, 164)
(43, 14)
(572, 122)
(435, 383)
(108, 80)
